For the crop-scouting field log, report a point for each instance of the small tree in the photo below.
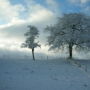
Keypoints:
(71, 30)
(31, 35)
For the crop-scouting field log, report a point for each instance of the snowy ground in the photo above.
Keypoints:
(42, 75)
(85, 65)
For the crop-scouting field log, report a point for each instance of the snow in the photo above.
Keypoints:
(85, 65)
(27, 74)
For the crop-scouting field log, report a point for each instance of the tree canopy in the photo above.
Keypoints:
(71, 29)
(31, 35)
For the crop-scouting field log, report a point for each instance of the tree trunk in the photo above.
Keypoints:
(33, 54)
(70, 50)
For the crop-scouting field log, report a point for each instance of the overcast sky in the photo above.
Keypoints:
(15, 15)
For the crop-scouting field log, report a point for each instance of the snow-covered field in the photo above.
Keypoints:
(26, 74)
(85, 65)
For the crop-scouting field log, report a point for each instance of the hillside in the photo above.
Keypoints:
(26, 74)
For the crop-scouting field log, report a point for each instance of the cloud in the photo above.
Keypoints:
(79, 1)
(12, 33)
(9, 11)
(54, 6)
(87, 9)
(37, 12)
(11, 14)
(85, 1)
(37, 15)
(17, 27)
(41, 15)
(52, 3)
(83, 5)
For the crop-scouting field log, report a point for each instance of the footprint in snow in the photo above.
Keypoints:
(26, 69)
(85, 85)
(54, 78)
(6, 72)
(32, 71)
